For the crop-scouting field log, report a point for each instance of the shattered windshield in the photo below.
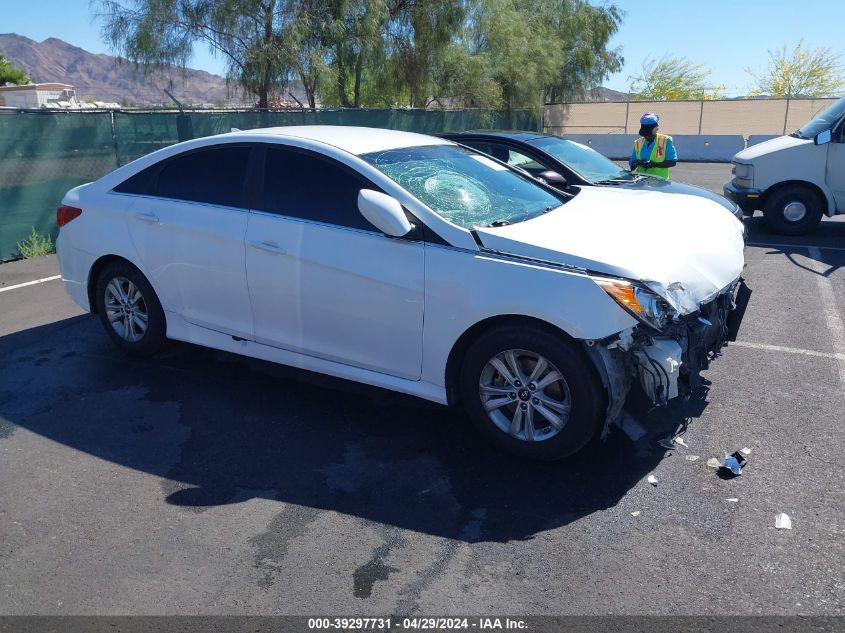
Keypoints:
(585, 161)
(463, 186)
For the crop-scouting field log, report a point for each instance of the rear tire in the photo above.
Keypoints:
(793, 210)
(130, 310)
(510, 390)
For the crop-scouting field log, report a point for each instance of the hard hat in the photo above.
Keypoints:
(649, 118)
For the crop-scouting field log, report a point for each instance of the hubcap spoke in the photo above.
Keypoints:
(554, 419)
(496, 403)
(504, 372)
(554, 405)
(539, 368)
(516, 422)
(513, 365)
(529, 424)
(552, 377)
(493, 390)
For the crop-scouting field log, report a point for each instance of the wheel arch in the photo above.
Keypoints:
(471, 334)
(94, 274)
(829, 206)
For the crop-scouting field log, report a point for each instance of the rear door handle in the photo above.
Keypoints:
(152, 218)
(270, 247)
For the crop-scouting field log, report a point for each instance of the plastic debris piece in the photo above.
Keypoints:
(735, 462)
(732, 499)
(652, 480)
(713, 462)
(666, 442)
(783, 522)
(745, 451)
(635, 513)
(680, 440)
(691, 458)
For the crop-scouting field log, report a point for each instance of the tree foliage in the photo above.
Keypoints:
(800, 72)
(9, 73)
(673, 78)
(351, 53)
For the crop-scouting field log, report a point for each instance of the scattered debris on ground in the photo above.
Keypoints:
(691, 458)
(652, 480)
(714, 463)
(783, 522)
(635, 513)
(734, 463)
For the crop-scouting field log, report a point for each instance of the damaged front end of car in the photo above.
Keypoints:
(675, 340)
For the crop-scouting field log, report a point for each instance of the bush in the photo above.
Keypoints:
(36, 245)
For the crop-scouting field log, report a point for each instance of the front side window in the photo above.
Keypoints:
(301, 185)
(464, 187)
(214, 176)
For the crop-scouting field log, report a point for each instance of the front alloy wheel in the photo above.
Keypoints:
(530, 390)
(525, 395)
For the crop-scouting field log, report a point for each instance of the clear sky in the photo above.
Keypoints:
(725, 35)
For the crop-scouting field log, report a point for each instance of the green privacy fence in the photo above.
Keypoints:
(43, 154)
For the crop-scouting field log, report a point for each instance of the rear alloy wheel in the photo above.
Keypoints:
(129, 310)
(531, 393)
(793, 210)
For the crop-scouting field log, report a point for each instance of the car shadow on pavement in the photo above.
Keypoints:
(218, 429)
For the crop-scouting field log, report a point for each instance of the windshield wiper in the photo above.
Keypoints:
(499, 223)
(797, 134)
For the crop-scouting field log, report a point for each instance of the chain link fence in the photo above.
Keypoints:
(43, 154)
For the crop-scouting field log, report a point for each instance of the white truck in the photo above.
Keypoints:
(795, 179)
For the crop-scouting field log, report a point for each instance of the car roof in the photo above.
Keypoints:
(352, 139)
(516, 135)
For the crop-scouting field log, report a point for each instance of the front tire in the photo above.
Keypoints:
(531, 392)
(793, 210)
(130, 310)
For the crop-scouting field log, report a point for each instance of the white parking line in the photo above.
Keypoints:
(30, 283)
(788, 350)
(831, 315)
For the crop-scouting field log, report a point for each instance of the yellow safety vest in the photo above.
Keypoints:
(658, 155)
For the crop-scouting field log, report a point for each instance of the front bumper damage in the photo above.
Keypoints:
(665, 364)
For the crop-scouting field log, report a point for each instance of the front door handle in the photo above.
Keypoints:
(270, 247)
(152, 218)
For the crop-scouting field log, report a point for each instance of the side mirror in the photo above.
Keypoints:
(384, 212)
(552, 178)
(823, 138)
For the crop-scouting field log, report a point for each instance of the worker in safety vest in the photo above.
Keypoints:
(654, 153)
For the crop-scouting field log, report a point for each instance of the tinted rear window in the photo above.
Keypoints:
(213, 176)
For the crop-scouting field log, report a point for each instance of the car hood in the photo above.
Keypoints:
(652, 183)
(685, 248)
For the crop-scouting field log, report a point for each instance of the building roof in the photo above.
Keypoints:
(355, 140)
(47, 86)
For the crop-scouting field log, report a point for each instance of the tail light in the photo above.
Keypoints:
(65, 214)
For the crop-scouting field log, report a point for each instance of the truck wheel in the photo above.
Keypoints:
(793, 210)
(530, 392)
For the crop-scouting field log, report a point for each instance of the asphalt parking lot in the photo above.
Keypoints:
(201, 482)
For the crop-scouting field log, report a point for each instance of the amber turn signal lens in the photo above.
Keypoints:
(623, 293)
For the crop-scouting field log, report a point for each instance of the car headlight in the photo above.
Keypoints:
(641, 302)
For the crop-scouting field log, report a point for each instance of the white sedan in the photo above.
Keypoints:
(410, 263)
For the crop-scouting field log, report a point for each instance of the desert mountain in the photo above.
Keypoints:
(103, 78)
